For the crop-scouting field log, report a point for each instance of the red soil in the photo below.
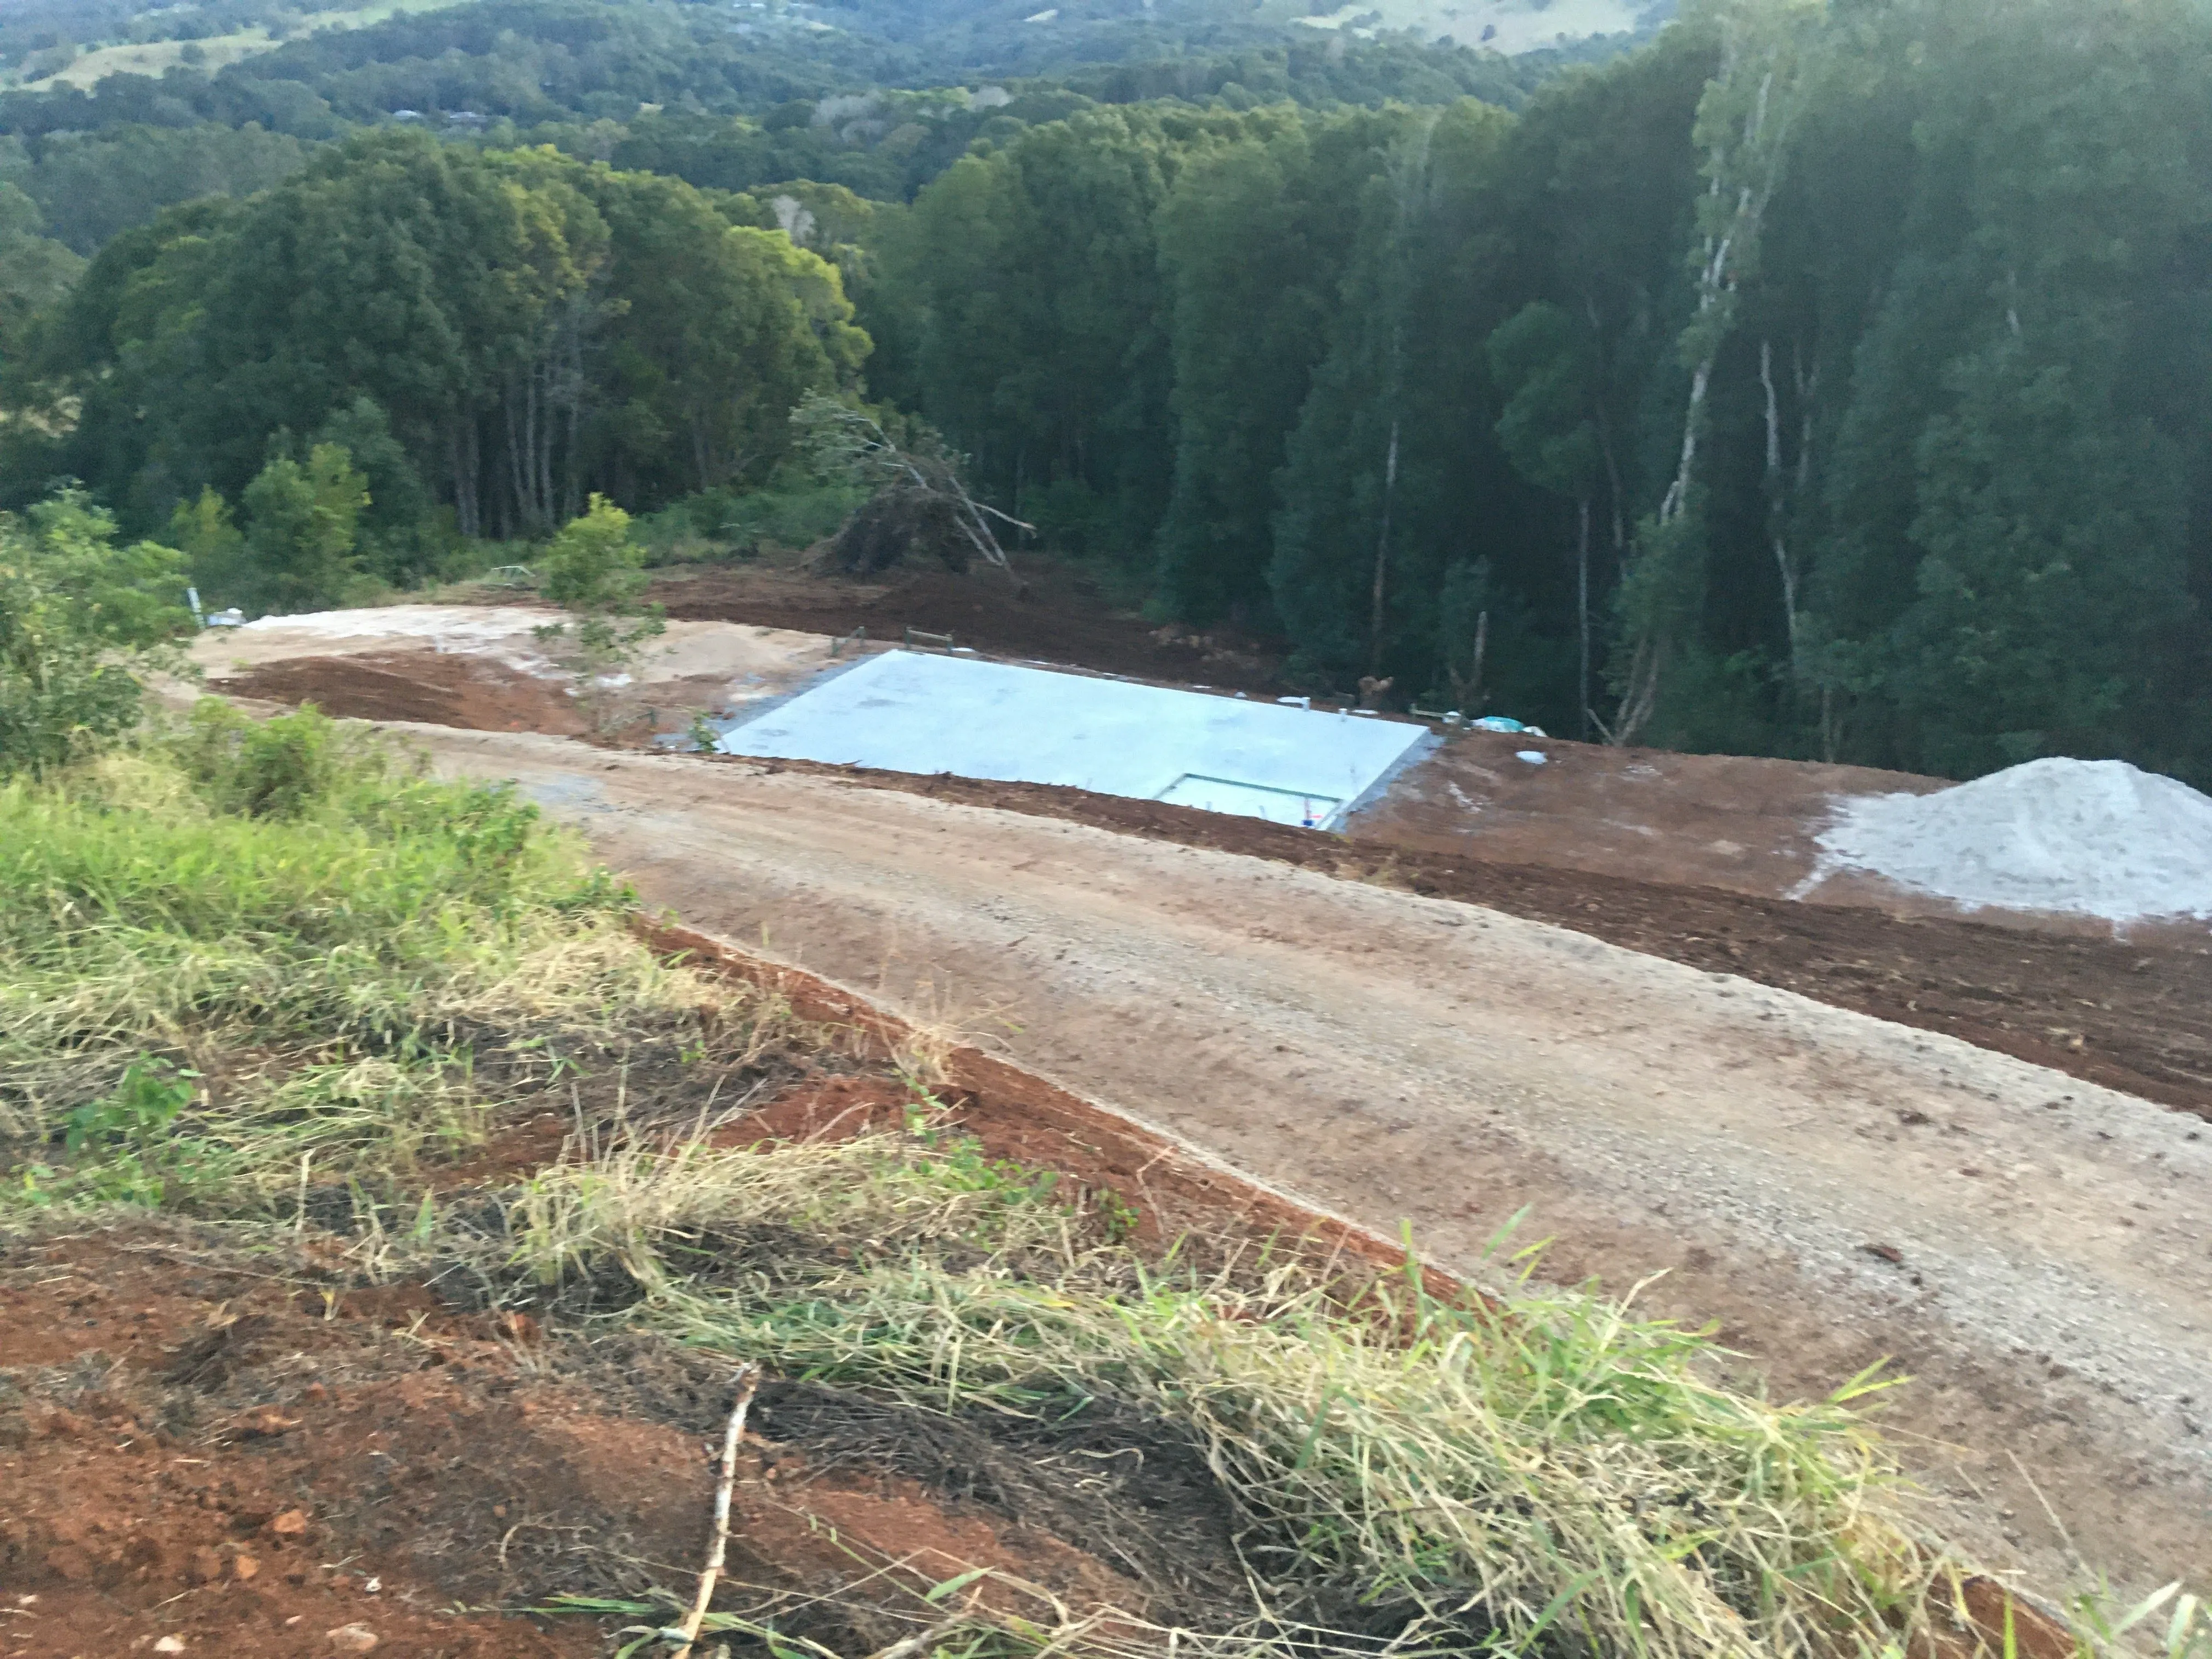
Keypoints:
(439, 688)
(1058, 615)
(240, 1532)
(247, 1453)
(195, 1448)
(1017, 1115)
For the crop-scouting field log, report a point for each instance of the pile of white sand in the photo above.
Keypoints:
(446, 626)
(2096, 838)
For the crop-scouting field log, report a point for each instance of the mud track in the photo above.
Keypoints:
(1828, 1188)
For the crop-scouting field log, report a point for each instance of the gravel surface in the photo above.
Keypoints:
(1828, 1188)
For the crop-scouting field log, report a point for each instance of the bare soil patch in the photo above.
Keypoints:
(183, 1437)
(1733, 821)
(469, 692)
(246, 1450)
(1832, 1191)
(248, 1459)
(1060, 614)
(2131, 1016)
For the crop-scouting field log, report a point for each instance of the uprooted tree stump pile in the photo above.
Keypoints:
(921, 502)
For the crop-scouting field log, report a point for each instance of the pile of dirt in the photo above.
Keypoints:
(1057, 615)
(2135, 1016)
(470, 692)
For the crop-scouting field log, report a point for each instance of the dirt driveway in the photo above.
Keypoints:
(1829, 1188)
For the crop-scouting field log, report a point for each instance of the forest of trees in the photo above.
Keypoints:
(1827, 381)
(1817, 379)
(503, 332)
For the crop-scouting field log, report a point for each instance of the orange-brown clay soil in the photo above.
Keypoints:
(1732, 821)
(440, 688)
(193, 1448)
(246, 1453)
(1057, 614)
(198, 1447)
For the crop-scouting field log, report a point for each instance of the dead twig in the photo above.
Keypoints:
(749, 1380)
(920, 1641)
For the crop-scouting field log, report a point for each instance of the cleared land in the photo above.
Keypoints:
(1506, 25)
(1683, 856)
(1831, 1189)
(2133, 1014)
(2015, 1223)
(1060, 614)
(386, 1220)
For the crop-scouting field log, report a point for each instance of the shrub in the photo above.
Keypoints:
(592, 565)
(795, 511)
(275, 769)
(80, 618)
(595, 570)
(303, 531)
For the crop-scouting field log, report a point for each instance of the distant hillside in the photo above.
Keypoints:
(88, 65)
(1506, 25)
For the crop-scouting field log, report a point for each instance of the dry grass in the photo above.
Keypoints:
(1562, 1474)
(217, 51)
(311, 965)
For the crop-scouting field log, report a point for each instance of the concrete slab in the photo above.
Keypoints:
(909, 712)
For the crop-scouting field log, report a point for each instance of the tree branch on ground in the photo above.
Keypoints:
(920, 497)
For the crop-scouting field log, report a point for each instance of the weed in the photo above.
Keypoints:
(146, 1103)
(702, 734)
(1118, 1216)
(123, 1148)
(2104, 1631)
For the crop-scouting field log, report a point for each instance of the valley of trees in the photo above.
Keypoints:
(1827, 380)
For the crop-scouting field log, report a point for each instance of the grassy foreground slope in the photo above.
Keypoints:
(268, 978)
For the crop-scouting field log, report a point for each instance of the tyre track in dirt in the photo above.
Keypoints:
(1829, 1188)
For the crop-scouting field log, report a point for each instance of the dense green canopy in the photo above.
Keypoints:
(1851, 359)
(504, 331)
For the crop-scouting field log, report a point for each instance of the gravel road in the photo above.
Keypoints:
(1826, 1189)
